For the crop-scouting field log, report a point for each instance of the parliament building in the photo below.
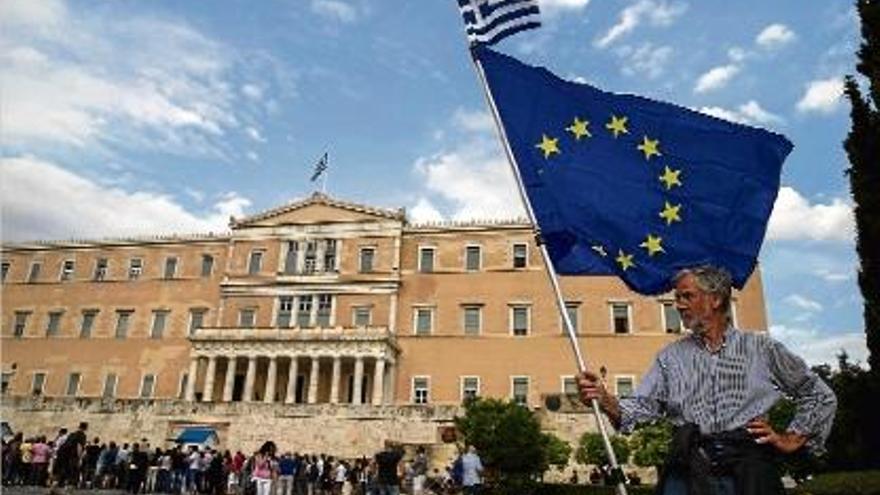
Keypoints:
(319, 312)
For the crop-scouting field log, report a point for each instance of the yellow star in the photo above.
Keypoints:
(617, 125)
(670, 213)
(624, 260)
(579, 129)
(548, 145)
(649, 147)
(670, 177)
(653, 244)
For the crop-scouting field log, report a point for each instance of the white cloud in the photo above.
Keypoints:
(424, 212)
(716, 78)
(750, 112)
(252, 91)
(821, 346)
(774, 36)
(803, 302)
(737, 54)
(473, 120)
(794, 218)
(553, 6)
(335, 9)
(252, 156)
(647, 60)
(821, 96)
(254, 133)
(657, 13)
(42, 200)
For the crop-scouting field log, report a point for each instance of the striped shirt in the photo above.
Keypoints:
(724, 390)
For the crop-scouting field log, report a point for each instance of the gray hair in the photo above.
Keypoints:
(712, 280)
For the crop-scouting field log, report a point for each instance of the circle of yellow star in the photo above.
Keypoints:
(649, 147)
(653, 244)
(548, 145)
(617, 125)
(624, 260)
(670, 213)
(670, 177)
(579, 128)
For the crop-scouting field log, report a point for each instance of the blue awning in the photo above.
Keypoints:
(196, 435)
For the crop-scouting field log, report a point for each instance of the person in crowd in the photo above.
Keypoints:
(387, 470)
(419, 471)
(264, 469)
(41, 453)
(138, 464)
(286, 473)
(471, 471)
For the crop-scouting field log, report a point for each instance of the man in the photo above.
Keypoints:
(387, 466)
(716, 386)
(67, 461)
(471, 471)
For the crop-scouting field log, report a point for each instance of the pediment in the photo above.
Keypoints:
(317, 209)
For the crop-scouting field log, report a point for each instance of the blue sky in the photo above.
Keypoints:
(130, 117)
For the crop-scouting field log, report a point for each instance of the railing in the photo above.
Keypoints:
(323, 333)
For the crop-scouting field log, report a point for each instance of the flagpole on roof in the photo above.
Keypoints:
(551, 269)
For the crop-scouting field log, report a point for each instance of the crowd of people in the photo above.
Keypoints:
(70, 460)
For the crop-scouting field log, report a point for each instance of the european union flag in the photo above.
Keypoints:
(621, 184)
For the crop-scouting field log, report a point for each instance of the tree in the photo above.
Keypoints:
(591, 449)
(509, 440)
(863, 148)
(558, 451)
(650, 444)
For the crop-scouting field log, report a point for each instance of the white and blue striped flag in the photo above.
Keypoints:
(320, 167)
(489, 21)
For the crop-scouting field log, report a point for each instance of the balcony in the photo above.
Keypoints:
(325, 334)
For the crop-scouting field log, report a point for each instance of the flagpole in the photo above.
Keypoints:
(551, 270)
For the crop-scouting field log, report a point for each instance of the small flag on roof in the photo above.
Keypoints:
(489, 21)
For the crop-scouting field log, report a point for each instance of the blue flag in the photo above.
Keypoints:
(624, 185)
(490, 21)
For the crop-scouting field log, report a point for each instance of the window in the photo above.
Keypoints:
(207, 265)
(38, 384)
(196, 319)
(620, 317)
(34, 273)
(426, 259)
(255, 263)
(472, 320)
(290, 260)
(147, 384)
(21, 318)
(5, 381)
(424, 321)
(573, 310)
(330, 255)
(569, 386)
(470, 387)
(88, 322)
(123, 320)
(325, 306)
(623, 386)
(304, 312)
(420, 391)
(135, 268)
(160, 317)
(73, 380)
(472, 258)
(285, 311)
(54, 323)
(520, 390)
(311, 256)
(100, 269)
(520, 255)
(170, 267)
(5, 270)
(109, 385)
(362, 316)
(519, 320)
(247, 318)
(671, 318)
(367, 254)
(67, 269)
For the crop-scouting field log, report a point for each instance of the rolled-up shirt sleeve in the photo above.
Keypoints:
(815, 403)
(646, 404)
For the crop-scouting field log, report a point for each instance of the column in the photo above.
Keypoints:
(230, 378)
(208, 393)
(358, 379)
(390, 381)
(249, 379)
(378, 381)
(334, 384)
(271, 380)
(313, 381)
(191, 378)
(290, 398)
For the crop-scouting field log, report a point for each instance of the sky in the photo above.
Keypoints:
(125, 118)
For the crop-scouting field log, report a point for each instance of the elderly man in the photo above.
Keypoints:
(716, 386)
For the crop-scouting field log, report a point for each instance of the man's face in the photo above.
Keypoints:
(695, 306)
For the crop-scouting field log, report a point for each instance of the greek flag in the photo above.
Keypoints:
(320, 167)
(489, 21)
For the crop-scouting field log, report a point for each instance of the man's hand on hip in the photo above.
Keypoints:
(786, 442)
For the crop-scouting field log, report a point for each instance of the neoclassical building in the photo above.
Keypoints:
(317, 302)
